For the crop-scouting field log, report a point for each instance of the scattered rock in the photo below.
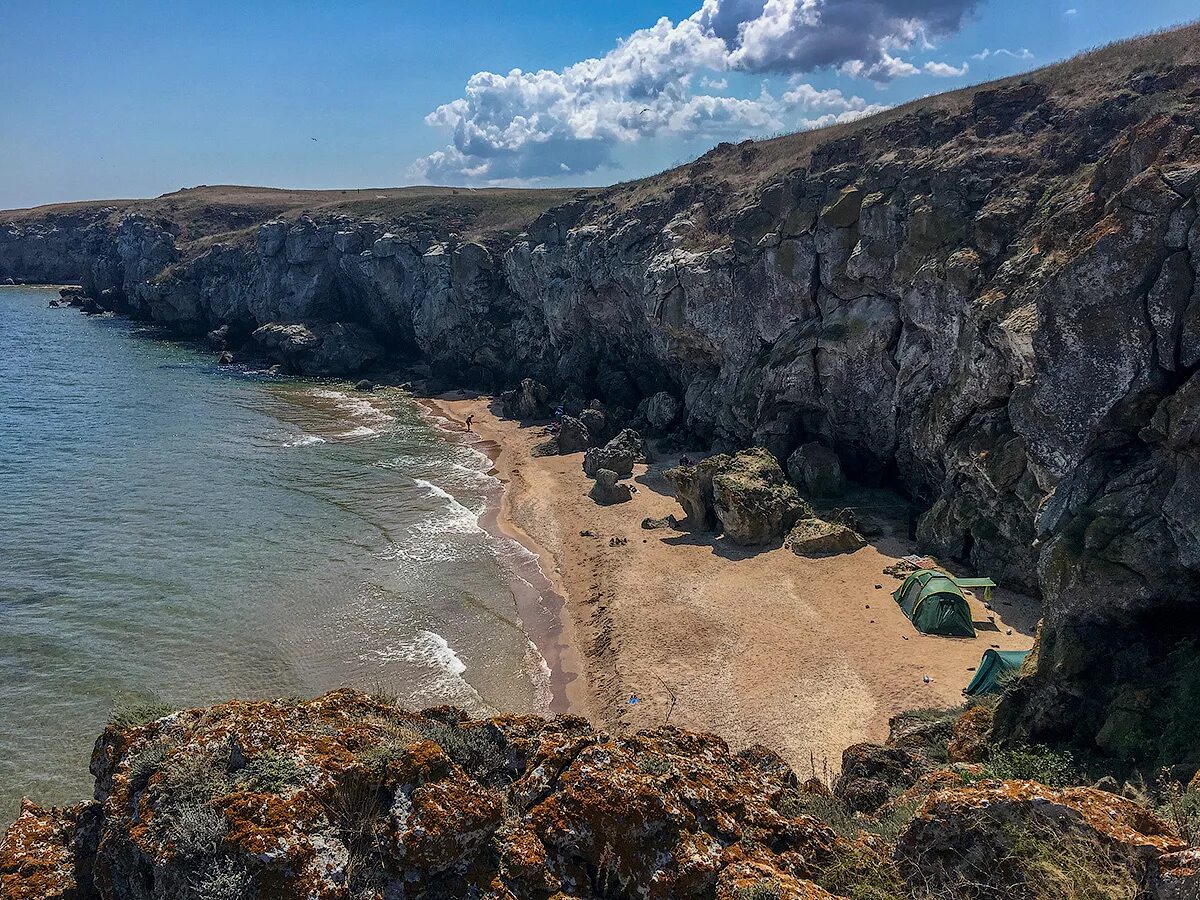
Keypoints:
(365, 385)
(617, 541)
(618, 455)
(609, 489)
(225, 359)
(665, 522)
(870, 772)
(218, 338)
(596, 423)
(969, 736)
(573, 436)
(753, 501)
(816, 470)
(816, 537)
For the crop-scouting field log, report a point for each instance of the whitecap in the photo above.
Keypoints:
(361, 431)
(456, 519)
(305, 440)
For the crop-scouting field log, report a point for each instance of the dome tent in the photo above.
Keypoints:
(935, 604)
(993, 668)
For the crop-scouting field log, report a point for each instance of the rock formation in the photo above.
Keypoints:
(753, 501)
(987, 299)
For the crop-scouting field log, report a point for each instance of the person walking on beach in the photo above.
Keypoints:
(469, 418)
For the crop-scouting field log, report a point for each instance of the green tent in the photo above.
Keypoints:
(935, 604)
(992, 669)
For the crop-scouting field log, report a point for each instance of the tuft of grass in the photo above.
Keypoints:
(1052, 867)
(133, 712)
(192, 828)
(221, 879)
(860, 874)
(653, 764)
(1181, 807)
(471, 747)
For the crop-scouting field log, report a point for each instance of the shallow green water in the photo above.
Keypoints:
(168, 528)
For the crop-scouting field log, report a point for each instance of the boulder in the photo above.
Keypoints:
(318, 348)
(618, 455)
(871, 774)
(753, 500)
(662, 410)
(597, 424)
(529, 401)
(47, 853)
(816, 537)
(816, 470)
(218, 338)
(1021, 838)
(693, 487)
(225, 359)
(365, 385)
(573, 435)
(1178, 876)
(609, 489)
(969, 736)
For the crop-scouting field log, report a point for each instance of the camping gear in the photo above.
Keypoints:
(992, 669)
(934, 603)
(986, 583)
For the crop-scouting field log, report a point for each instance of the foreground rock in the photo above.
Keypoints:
(1020, 838)
(347, 796)
(753, 500)
(609, 489)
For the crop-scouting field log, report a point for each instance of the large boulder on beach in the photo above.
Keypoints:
(609, 488)
(573, 436)
(529, 401)
(693, 488)
(618, 455)
(816, 470)
(754, 501)
(597, 424)
(812, 536)
(318, 348)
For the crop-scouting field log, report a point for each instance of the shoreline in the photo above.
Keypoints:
(804, 656)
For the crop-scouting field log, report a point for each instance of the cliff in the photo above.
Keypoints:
(986, 298)
(347, 796)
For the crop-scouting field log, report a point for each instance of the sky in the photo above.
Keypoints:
(135, 98)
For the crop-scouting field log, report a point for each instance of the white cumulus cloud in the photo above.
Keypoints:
(527, 125)
(985, 53)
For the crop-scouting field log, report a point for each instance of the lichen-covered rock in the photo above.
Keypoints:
(348, 796)
(609, 488)
(969, 738)
(1002, 836)
(816, 470)
(812, 536)
(318, 348)
(753, 500)
(1178, 876)
(618, 455)
(47, 854)
(693, 487)
(871, 774)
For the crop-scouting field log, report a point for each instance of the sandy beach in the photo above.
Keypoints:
(805, 656)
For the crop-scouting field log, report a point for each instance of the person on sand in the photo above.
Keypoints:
(469, 418)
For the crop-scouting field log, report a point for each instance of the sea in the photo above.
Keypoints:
(183, 533)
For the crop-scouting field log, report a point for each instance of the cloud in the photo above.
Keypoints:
(528, 125)
(985, 53)
(945, 70)
(1071, 12)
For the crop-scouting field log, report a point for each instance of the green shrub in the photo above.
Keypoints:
(471, 746)
(653, 764)
(1052, 866)
(859, 874)
(192, 828)
(1033, 763)
(1181, 807)
(271, 772)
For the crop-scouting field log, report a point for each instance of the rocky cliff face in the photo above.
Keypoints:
(989, 299)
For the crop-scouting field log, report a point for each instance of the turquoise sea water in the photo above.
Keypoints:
(172, 529)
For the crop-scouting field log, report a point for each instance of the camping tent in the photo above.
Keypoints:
(993, 667)
(935, 604)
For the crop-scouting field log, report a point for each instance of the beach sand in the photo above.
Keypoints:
(805, 656)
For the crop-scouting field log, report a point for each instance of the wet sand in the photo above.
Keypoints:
(806, 656)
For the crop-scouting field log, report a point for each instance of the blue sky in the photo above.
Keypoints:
(131, 99)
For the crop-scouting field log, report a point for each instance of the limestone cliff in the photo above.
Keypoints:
(988, 298)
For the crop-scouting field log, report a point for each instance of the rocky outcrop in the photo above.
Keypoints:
(618, 456)
(609, 488)
(573, 435)
(989, 301)
(320, 348)
(816, 470)
(347, 796)
(693, 488)
(753, 501)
